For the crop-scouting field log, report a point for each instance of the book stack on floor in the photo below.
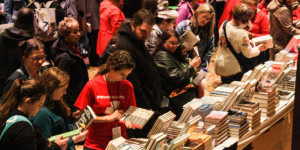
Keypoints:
(220, 119)
(162, 123)
(179, 142)
(200, 141)
(156, 141)
(238, 124)
(253, 112)
(267, 102)
(138, 117)
(118, 144)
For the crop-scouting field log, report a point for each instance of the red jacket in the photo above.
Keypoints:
(296, 14)
(263, 7)
(227, 12)
(261, 25)
(111, 18)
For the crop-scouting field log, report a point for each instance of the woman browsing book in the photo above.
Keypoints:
(110, 95)
(24, 99)
(52, 118)
(174, 69)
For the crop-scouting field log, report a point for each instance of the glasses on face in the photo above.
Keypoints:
(173, 43)
(36, 59)
(206, 18)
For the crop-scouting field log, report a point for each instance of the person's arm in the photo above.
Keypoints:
(264, 27)
(8, 10)
(246, 49)
(286, 22)
(209, 51)
(116, 21)
(171, 71)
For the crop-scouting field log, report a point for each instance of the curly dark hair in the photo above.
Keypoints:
(117, 61)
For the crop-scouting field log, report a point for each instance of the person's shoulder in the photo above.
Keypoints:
(126, 84)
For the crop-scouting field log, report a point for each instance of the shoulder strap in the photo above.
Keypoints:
(20, 71)
(240, 57)
(11, 120)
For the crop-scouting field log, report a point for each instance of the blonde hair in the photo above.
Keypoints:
(64, 27)
(208, 29)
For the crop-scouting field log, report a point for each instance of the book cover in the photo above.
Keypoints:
(138, 117)
(65, 135)
(188, 40)
(85, 119)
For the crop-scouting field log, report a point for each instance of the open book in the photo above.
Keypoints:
(188, 40)
(138, 117)
(85, 120)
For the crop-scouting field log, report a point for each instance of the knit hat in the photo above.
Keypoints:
(168, 14)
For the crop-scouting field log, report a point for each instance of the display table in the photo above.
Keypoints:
(285, 106)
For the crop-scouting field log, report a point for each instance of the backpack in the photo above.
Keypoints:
(45, 22)
(11, 120)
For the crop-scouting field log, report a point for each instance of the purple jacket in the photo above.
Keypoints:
(185, 11)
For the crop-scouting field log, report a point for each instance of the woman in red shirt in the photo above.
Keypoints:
(110, 95)
(261, 27)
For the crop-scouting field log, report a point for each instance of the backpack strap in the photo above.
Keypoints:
(21, 71)
(243, 61)
(14, 119)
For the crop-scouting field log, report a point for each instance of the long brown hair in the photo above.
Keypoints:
(19, 91)
(52, 79)
(117, 61)
(208, 29)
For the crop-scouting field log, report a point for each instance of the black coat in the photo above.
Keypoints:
(21, 135)
(145, 76)
(173, 73)
(68, 61)
(9, 52)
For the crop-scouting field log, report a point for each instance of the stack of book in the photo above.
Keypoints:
(285, 94)
(190, 125)
(156, 141)
(162, 123)
(118, 144)
(214, 101)
(138, 117)
(253, 112)
(289, 82)
(204, 110)
(175, 129)
(179, 142)
(267, 102)
(229, 92)
(220, 119)
(238, 124)
(188, 112)
(204, 139)
(137, 143)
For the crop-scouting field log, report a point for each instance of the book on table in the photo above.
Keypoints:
(267, 40)
(85, 119)
(138, 117)
(162, 123)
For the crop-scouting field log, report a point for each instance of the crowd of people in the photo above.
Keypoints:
(136, 45)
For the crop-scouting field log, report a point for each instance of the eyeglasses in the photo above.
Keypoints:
(173, 43)
(36, 59)
(206, 18)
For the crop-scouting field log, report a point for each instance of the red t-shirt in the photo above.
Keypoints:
(95, 93)
(260, 25)
(296, 14)
(263, 7)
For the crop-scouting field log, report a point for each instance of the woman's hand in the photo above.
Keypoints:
(62, 143)
(76, 114)
(80, 137)
(129, 125)
(196, 61)
(262, 47)
(117, 115)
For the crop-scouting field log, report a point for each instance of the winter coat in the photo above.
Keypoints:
(22, 135)
(68, 61)
(185, 11)
(145, 76)
(9, 52)
(173, 73)
(111, 18)
(281, 22)
(90, 9)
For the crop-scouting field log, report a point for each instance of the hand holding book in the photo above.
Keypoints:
(117, 115)
(195, 62)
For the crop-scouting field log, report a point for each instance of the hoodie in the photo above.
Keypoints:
(9, 52)
(281, 22)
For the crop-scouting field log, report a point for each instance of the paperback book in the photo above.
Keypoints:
(85, 119)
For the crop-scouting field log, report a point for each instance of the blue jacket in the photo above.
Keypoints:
(205, 46)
